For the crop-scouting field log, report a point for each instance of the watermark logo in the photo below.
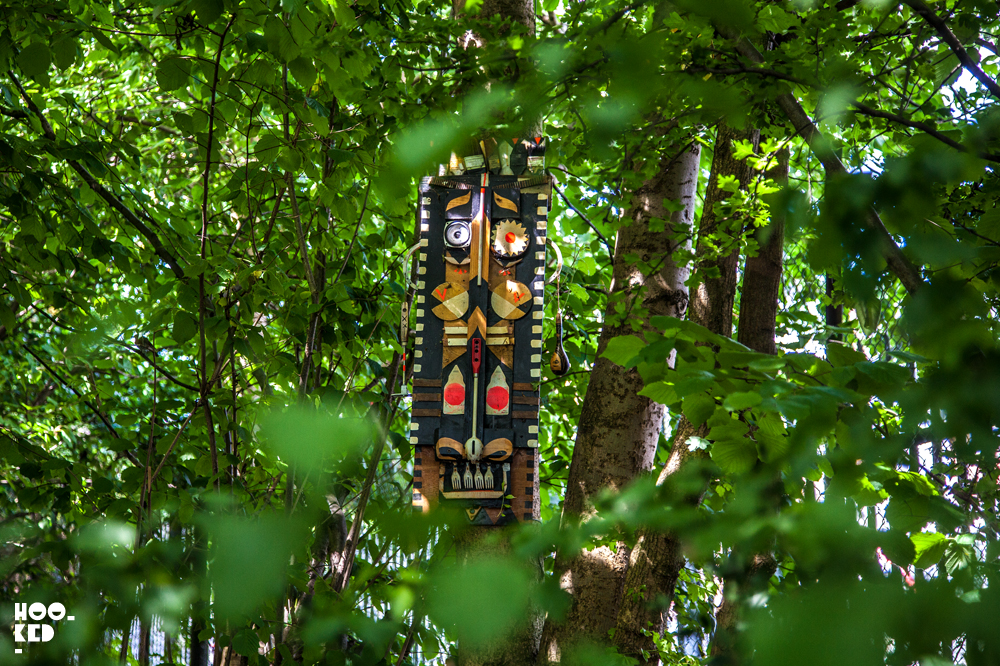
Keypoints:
(28, 626)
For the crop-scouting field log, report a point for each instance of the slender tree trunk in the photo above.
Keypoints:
(143, 656)
(657, 559)
(618, 432)
(759, 299)
(762, 277)
(834, 313)
(655, 564)
(712, 302)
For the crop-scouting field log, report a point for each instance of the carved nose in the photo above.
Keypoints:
(474, 449)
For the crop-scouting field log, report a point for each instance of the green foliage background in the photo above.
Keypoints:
(205, 213)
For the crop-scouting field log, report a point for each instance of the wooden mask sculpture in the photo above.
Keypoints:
(478, 331)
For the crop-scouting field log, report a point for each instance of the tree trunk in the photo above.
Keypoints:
(618, 432)
(758, 311)
(657, 559)
(712, 303)
(655, 564)
(725, 650)
(762, 277)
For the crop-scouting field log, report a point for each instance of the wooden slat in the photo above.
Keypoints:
(525, 399)
(522, 415)
(520, 386)
(435, 397)
(426, 382)
(430, 412)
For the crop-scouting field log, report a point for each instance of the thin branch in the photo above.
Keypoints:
(213, 448)
(102, 191)
(897, 262)
(89, 404)
(357, 228)
(300, 234)
(161, 369)
(923, 127)
(949, 38)
(607, 244)
(13, 113)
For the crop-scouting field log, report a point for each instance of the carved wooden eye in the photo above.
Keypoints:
(510, 240)
(498, 449)
(458, 234)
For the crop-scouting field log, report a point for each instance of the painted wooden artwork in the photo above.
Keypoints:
(478, 332)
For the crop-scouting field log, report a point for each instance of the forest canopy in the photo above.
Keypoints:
(777, 440)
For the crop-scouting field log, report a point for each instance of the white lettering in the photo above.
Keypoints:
(20, 612)
(37, 611)
(19, 633)
(56, 611)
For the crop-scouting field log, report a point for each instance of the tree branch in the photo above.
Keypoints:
(607, 244)
(900, 266)
(357, 228)
(13, 113)
(949, 38)
(858, 106)
(923, 127)
(102, 191)
(213, 449)
(104, 419)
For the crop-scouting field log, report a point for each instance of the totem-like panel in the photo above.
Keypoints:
(478, 328)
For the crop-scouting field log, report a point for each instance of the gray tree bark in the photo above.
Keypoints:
(618, 431)
(657, 559)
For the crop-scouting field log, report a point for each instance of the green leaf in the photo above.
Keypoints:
(208, 11)
(930, 547)
(771, 437)
(313, 440)
(579, 292)
(731, 451)
(840, 354)
(34, 60)
(623, 349)
(698, 407)
(735, 402)
(907, 514)
(695, 381)
(304, 71)
(7, 317)
(289, 159)
(173, 73)
(102, 13)
(279, 40)
(345, 15)
(64, 51)
(266, 148)
(959, 554)
(185, 327)
(251, 557)
(450, 605)
(869, 494)
(338, 156)
(660, 392)
(768, 364)
(246, 643)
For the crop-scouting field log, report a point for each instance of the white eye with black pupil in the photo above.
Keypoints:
(458, 234)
